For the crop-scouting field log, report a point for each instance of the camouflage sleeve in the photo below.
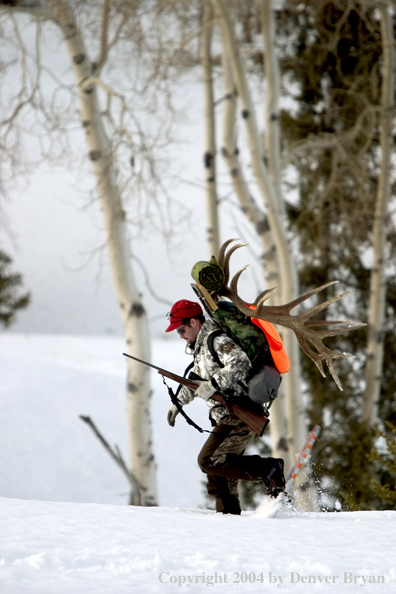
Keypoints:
(236, 363)
(185, 395)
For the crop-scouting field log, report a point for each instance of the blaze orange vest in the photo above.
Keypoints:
(275, 344)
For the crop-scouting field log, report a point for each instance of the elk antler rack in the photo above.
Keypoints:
(310, 340)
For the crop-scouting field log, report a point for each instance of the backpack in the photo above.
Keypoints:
(262, 344)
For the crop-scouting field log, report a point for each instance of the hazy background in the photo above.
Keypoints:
(54, 235)
(52, 227)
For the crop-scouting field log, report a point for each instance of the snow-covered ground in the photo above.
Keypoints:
(64, 524)
(54, 548)
(48, 453)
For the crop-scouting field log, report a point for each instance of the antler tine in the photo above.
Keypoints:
(317, 359)
(326, 333)
(235, 279)
(263, 297)
(334, 375)
(329, 361)
(323, 354)
(318, 308)
(261, 308)
(334, 323)
(223, 250)
(292, 304)
(226, 266)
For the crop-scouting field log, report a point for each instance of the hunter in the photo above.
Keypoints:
(221, 457)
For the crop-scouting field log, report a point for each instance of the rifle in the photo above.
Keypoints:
(255, 421)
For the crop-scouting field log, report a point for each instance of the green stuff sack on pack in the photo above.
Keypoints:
(209, 274)
(242, 331)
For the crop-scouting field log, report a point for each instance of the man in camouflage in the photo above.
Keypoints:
(221, 457)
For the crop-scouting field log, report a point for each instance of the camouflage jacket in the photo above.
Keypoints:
(236, 368)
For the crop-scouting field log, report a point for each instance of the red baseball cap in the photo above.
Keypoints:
(180, 311)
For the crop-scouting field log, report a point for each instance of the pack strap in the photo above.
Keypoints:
(216, 357)
(211, 348)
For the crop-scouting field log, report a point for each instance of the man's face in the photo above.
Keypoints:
(190, 331)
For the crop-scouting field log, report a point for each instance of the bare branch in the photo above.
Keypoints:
(103, 37)
(148, 283)
(27, 7)
(136, 488)
(329, 141)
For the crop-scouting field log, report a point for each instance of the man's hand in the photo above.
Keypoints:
(172, 414)
(205, 390)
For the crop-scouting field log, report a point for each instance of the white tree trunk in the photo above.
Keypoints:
(132, 311)
(212, 230)
(295, 416)
(271, 106)
(278, 426)
(292, 380)
(375, 343)
(247, 203)
(274, 206)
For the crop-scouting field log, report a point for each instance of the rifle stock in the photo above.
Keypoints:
(253, 420)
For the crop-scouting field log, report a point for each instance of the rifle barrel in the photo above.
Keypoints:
(144, 362)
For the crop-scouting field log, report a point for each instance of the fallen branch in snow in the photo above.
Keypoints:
(136, 487)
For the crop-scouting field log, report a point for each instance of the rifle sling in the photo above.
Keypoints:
(181, 411)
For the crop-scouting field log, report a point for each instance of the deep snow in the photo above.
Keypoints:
(59, 548)
(64, 524)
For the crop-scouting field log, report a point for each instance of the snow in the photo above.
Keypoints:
(64, 524)
(73, 547)
(48, 453)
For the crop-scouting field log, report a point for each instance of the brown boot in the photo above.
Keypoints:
(229, 505)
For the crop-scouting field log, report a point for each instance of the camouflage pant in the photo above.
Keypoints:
(230, 437)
